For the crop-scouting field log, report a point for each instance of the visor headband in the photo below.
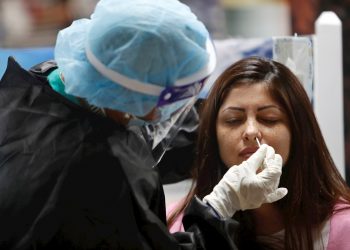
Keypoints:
(149, 88)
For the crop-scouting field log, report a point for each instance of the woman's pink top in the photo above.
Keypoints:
(339, 233)
(177, 226)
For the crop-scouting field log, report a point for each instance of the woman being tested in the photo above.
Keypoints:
(75, 173)
(256, 102)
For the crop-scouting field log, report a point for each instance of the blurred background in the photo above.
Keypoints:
(26, 23)
(35, 23)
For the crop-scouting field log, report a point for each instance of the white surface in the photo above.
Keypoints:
(328, 89)
(177, 191)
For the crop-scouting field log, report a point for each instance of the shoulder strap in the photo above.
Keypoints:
(44, 68)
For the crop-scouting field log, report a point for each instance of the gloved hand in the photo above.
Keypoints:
(243, 188)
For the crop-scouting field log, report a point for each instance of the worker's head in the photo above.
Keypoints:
(138, 56)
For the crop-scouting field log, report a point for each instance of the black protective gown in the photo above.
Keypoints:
(71, 179)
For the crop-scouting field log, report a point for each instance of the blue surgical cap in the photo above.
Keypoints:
(129, 51)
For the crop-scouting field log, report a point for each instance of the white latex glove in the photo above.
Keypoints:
(242, 188)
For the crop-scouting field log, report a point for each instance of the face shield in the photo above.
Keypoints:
(173, 106)
(173, 99)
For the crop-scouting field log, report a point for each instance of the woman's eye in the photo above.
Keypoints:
(269, 121)
(233, 121)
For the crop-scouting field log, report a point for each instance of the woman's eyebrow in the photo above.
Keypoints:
(268, 107)
(259, 109)
(234, 109)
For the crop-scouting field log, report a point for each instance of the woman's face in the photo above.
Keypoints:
(249, 112)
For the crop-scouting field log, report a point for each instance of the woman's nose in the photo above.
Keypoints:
(251, 131)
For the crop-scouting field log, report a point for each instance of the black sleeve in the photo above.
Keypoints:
(208, 230)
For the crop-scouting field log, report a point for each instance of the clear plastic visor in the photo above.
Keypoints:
(175, 107)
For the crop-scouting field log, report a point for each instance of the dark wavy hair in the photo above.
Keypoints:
(313, 181)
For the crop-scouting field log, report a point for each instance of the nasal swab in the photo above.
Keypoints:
(264, 162)
(257, 140)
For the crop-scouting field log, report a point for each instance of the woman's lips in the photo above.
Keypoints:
(247, 152)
